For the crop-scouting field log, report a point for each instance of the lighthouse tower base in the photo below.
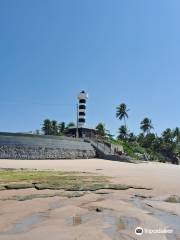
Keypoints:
(82, 132)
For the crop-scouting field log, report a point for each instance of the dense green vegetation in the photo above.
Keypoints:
(145, 145)
(54, 128)
(101, 130)
(150, 147)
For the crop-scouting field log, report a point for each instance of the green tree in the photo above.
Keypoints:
(123, 132)
(109, 135)
(146, 125)
(122, 112)
(176, 134)
(61, 128)
(168, 135)
(132, 137)
(101, 130)
(148, 140)
(140, 138)
(47, 127)
(54, 127)
(157, 144)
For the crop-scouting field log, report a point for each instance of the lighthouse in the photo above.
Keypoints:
(82, 97)
(81, 130)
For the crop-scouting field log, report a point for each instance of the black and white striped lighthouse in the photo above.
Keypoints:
(80, 130)
(82, 97)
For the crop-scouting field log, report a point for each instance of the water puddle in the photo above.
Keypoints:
(78, 219)
(171, 220)
(106, 217)
(27, 223)
(60, 203)
(56, 204)
(118, 224)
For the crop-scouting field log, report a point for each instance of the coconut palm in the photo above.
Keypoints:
(168, 135)
(101, 130)
(122, 112)
(132, 137)
(123, 132)
(47, 127)
(54, 126)
(176, 134)
(109, 135)
(146, 125)
(61, 128)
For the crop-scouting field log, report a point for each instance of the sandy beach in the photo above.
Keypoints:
(121, 211)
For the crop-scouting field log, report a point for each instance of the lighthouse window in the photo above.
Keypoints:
(82, 100)
(82, 114)
(82, 107)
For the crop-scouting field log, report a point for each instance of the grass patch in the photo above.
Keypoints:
(57, 180)
(21, 179)
(35, 176)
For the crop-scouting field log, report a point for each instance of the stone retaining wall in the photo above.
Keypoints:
(40, 152)
(26, 146)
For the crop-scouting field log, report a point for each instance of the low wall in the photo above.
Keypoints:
(21, 147)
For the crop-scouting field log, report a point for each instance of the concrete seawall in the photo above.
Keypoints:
(33, 147)
(31, 152)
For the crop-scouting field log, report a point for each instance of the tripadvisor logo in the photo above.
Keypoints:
(139, 231)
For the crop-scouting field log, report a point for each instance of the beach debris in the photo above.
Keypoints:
(98, 209)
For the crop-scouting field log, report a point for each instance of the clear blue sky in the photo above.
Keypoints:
(117, 50)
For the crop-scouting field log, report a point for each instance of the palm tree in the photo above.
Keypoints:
(122, 112)
(168, 135)
(176, 134)
(47, 127)
(109, 135)
(123, 132)
(146, 125)
(54, 126)
(132, 137)
(61, 128)
(101, 130)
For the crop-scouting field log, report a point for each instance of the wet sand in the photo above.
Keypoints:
(109, 214)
